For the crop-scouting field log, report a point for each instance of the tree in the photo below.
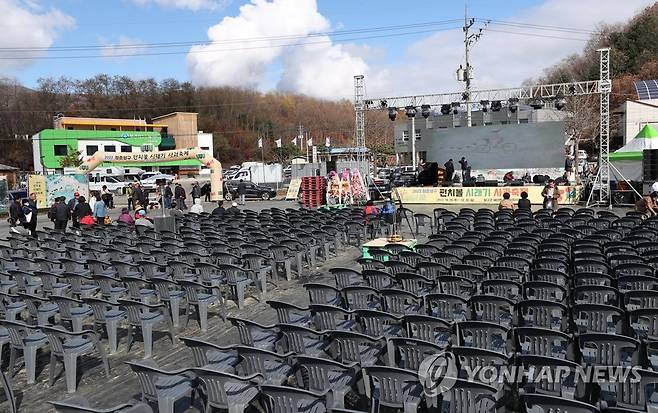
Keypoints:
(583, 122)
(72, 159)
(381, 152)
(286, 152)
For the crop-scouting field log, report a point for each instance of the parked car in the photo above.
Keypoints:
(12, 195)
(379, 189)
(113, 183)
(384, 173)
(150, 182)
(253, 191)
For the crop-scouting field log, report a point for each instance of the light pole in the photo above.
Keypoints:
(411, 114)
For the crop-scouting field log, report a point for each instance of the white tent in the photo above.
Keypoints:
(628, 159)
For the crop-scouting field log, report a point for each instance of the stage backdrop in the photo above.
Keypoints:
(524, 146)
(456, 195)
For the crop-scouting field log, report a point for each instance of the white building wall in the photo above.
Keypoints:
(204, 140)
(637, 115)
(83, 143)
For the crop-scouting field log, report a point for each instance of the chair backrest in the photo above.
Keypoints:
(428, 328)
(255, 360)
(447, 307)
(215, 383)
(320, 371)
(147, 373)
(542, 342)
(542, 313)
(608, 349)
(351, 345)
(279, 399)
(390, 385)
(482, 334)
(409, 353)
(541, 403)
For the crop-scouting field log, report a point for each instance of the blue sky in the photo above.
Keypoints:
(411, 63)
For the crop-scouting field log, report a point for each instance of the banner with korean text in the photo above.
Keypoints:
(569, 195)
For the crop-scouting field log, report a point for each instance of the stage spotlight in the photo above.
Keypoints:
(496, 106)
(560, 102)
(572, 89)
(411, 111)
(455, 107)
(425, 111)
(513, 104)
(445, 109)
(368, 102)
(383, 103)
(485, 105)
(392, 113)
(536, 103)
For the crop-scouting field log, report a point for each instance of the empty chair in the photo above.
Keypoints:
(542, 342)
(498, 310)
(254, 334)
(409, 353)
(566, 384)
(68, 346)
(393, 387)
(200, 296)
(361, 298)
(213, 356)
(71, 311)
(144, 317)
(323, 374)
(379, 324)
(302, 340)
(163, 387)
(346, 277)
(482, 334)
(279, 399)
(275, 368)
(290, 313)
(27, 339)
(598, 318)
(323, 294)
(358, 348)
(227, 391)
(609, 349)
(541, 403)
(401, 302)
(78, 404)
(428, 328)
(447, 307)
(542, 313)
(106, 314)
(329, 317)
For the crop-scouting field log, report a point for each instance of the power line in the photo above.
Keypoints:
(228, 41)
(539, 35)
(543, 27)
(221, 50)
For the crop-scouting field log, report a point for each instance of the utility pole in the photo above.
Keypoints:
(465, 74)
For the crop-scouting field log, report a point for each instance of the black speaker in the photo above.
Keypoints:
(650, 164)
(491, 182)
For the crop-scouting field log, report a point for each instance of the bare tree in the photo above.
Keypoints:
(583, 122)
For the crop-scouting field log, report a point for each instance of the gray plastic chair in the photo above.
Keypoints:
(428, 328)
(170, 293)
(78, 404)
(408, 353)
(290, 313)
(69, 346)
(227, 391)
(254, 334)
(331, 317)
(108, 315)
(40, 308)
(27, 339)
(539, 403)
(161, 386)
(468, 397)
(302, 340)
(358, 348)
(393, 387)
(145, 317)
(199, 298)
(11, 305)
(281, 257)
(278, 399)
(210, 355)
(275, 368)
(72, 311)
(237, 280)
(324, 374)
(259, 267)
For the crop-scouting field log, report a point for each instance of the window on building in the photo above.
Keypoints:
(113, 128)
(92, 149)
(205, 148)
(147, 148)
(504, 122)
(110, 148)
(487, 123)
(523, 120)
(418, 136)
(126, 148)
(70, 128)
(60, 150)
(405, 135)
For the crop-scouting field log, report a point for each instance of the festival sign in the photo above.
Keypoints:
(293, 188)
(199, 154)
(569, 195)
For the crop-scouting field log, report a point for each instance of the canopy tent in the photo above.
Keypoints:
(628, 159)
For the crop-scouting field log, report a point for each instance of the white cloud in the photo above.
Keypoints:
(187, 4)
(124, 46)
(502, 59)
(27, 26)
(318, 68)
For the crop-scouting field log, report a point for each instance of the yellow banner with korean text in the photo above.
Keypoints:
(569, 195)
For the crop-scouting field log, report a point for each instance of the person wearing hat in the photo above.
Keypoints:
(233, 209)
(73, 202)
(141, 220)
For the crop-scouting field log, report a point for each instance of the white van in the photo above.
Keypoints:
(114, 183)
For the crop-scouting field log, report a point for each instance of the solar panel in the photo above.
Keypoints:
(647, 89)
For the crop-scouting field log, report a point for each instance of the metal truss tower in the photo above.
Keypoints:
(605, 86)
(360, 126)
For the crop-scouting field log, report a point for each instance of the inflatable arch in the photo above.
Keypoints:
(160, 156)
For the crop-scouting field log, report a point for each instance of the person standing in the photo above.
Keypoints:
(62, 214)
(196, 192)
(242, 191)
(30, 209)
(168, 196)
(139, 197)
(179, 193)
(450, 169)
(82, 209)
(16, 216)
(100, 212)
(464, 165)
(107, 197)
(551, 195)
(72, 204)
(130, 192)
(205, 191)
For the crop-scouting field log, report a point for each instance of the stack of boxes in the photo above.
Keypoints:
(314, 189)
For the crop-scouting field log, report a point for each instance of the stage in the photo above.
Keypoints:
(569, 195)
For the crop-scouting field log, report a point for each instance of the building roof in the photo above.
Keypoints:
(4, 167)
(169, 115)
(108, 122)
(646, 89)
(346, 151)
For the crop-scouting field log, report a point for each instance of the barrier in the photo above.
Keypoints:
(569, 195)
(161, 156)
